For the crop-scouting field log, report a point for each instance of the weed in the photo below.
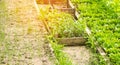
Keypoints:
(61, 24)
(62, 58)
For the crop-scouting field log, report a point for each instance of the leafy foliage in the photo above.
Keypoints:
(62, 57)
(103, 19)
(62, 24)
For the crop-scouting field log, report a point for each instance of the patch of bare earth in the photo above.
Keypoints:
(25, 34)
(80, 55)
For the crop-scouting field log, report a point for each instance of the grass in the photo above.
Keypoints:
(6, 48)
(102, 17)
(62, 57)
(3, 16)
(4, 45)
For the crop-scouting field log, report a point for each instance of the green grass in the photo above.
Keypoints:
(2, 19)
(103, 19)
(61, 24)
(4, 45)
(62, 57)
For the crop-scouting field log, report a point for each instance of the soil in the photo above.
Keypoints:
(80, 55)
(25, 34)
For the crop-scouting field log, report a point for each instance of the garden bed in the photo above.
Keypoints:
(62, 26)
(63, 6)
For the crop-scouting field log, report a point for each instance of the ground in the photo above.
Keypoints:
(79, 54)
(24, 35)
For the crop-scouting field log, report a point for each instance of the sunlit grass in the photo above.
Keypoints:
(6, 48)
(63, 58)
(3, 16)
(3, 43)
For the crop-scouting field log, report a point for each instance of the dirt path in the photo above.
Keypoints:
(24, 35)
(80, 55)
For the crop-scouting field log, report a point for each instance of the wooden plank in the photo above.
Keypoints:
(67, 10)
(102, 53)
(76, 15)
(72, 41)
(36, 6)
(88, 31)
(70, 4)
